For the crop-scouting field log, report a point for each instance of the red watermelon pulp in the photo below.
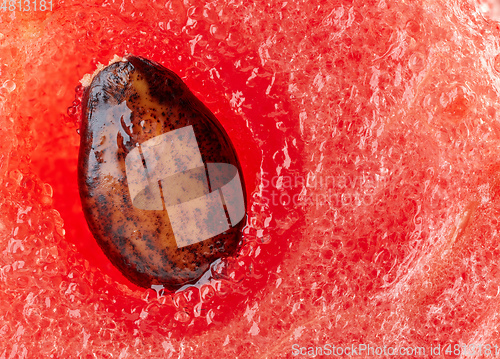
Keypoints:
(369, 137)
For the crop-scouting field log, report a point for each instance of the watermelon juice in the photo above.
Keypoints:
(369, 140)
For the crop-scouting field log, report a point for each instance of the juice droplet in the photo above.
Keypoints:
(417, 62)
(9, 85)
(496, 63)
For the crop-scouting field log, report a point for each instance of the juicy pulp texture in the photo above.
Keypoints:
(370, 142)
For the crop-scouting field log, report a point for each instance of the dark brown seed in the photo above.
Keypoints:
(159, 179)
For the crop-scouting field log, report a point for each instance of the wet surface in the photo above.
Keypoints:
(369, 137)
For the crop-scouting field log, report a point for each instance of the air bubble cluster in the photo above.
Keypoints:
(74, 112)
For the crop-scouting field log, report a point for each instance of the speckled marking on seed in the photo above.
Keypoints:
(141, 243)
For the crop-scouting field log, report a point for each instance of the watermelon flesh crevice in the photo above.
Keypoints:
(368, 135)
